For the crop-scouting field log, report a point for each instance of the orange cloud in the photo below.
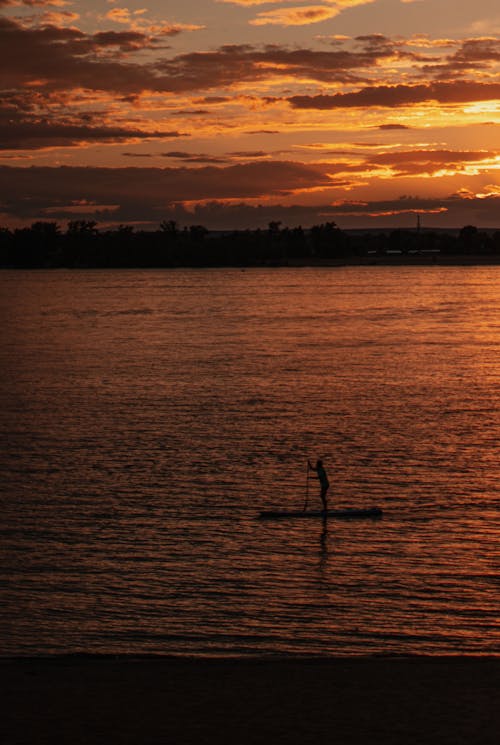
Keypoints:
(59, 18)
(119, 15)
(341, 4)
(433, 162)
(295, 16)
(347, 4)
(250, 3)
(35, 3)
(135, 20)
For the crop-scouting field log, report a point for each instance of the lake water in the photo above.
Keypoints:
(147, 416)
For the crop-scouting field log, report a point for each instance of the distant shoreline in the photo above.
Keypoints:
(453, 260)
(84, 246)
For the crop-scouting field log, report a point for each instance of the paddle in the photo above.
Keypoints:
(307, 488)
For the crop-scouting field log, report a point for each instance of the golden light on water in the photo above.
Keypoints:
(158, 426)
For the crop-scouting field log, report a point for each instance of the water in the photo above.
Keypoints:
(147, 417)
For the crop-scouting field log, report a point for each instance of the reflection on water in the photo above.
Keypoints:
(324, 547)
(147, 416)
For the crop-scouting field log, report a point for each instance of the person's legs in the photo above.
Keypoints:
(323, 497)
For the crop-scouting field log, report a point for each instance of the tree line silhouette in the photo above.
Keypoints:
(83, 245)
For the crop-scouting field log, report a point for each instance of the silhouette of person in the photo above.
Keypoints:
(323, 480)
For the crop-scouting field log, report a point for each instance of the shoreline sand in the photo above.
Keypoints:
(346, 701)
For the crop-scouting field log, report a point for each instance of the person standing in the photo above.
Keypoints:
(323, 480)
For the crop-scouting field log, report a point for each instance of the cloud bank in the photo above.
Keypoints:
(233, 196)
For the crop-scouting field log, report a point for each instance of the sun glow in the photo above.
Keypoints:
(483, 107)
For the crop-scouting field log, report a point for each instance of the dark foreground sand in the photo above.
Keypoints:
(418, 701)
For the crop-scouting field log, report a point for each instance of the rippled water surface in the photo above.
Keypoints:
(147, 416)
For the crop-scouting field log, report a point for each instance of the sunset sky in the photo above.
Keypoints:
(233, 113)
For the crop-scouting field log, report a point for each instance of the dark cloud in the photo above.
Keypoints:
(146, 192)
(68, 58)
(377, 45)
(451, 211)
(149, 195)
(126, 41)
(214, 99)
(177, 154)
(392, 126)
(25, 130)
(65, 58)
(402, 95)
(199, 158)
(249, 154)
(236, 63)
(62, 58)
(204, 158)
(39, 136)
(191, 112)
(472, 56)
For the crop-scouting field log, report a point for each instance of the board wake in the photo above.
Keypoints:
(340, 514)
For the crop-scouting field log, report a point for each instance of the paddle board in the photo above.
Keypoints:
(278, 514)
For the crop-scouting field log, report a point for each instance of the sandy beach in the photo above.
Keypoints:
(418, 701)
